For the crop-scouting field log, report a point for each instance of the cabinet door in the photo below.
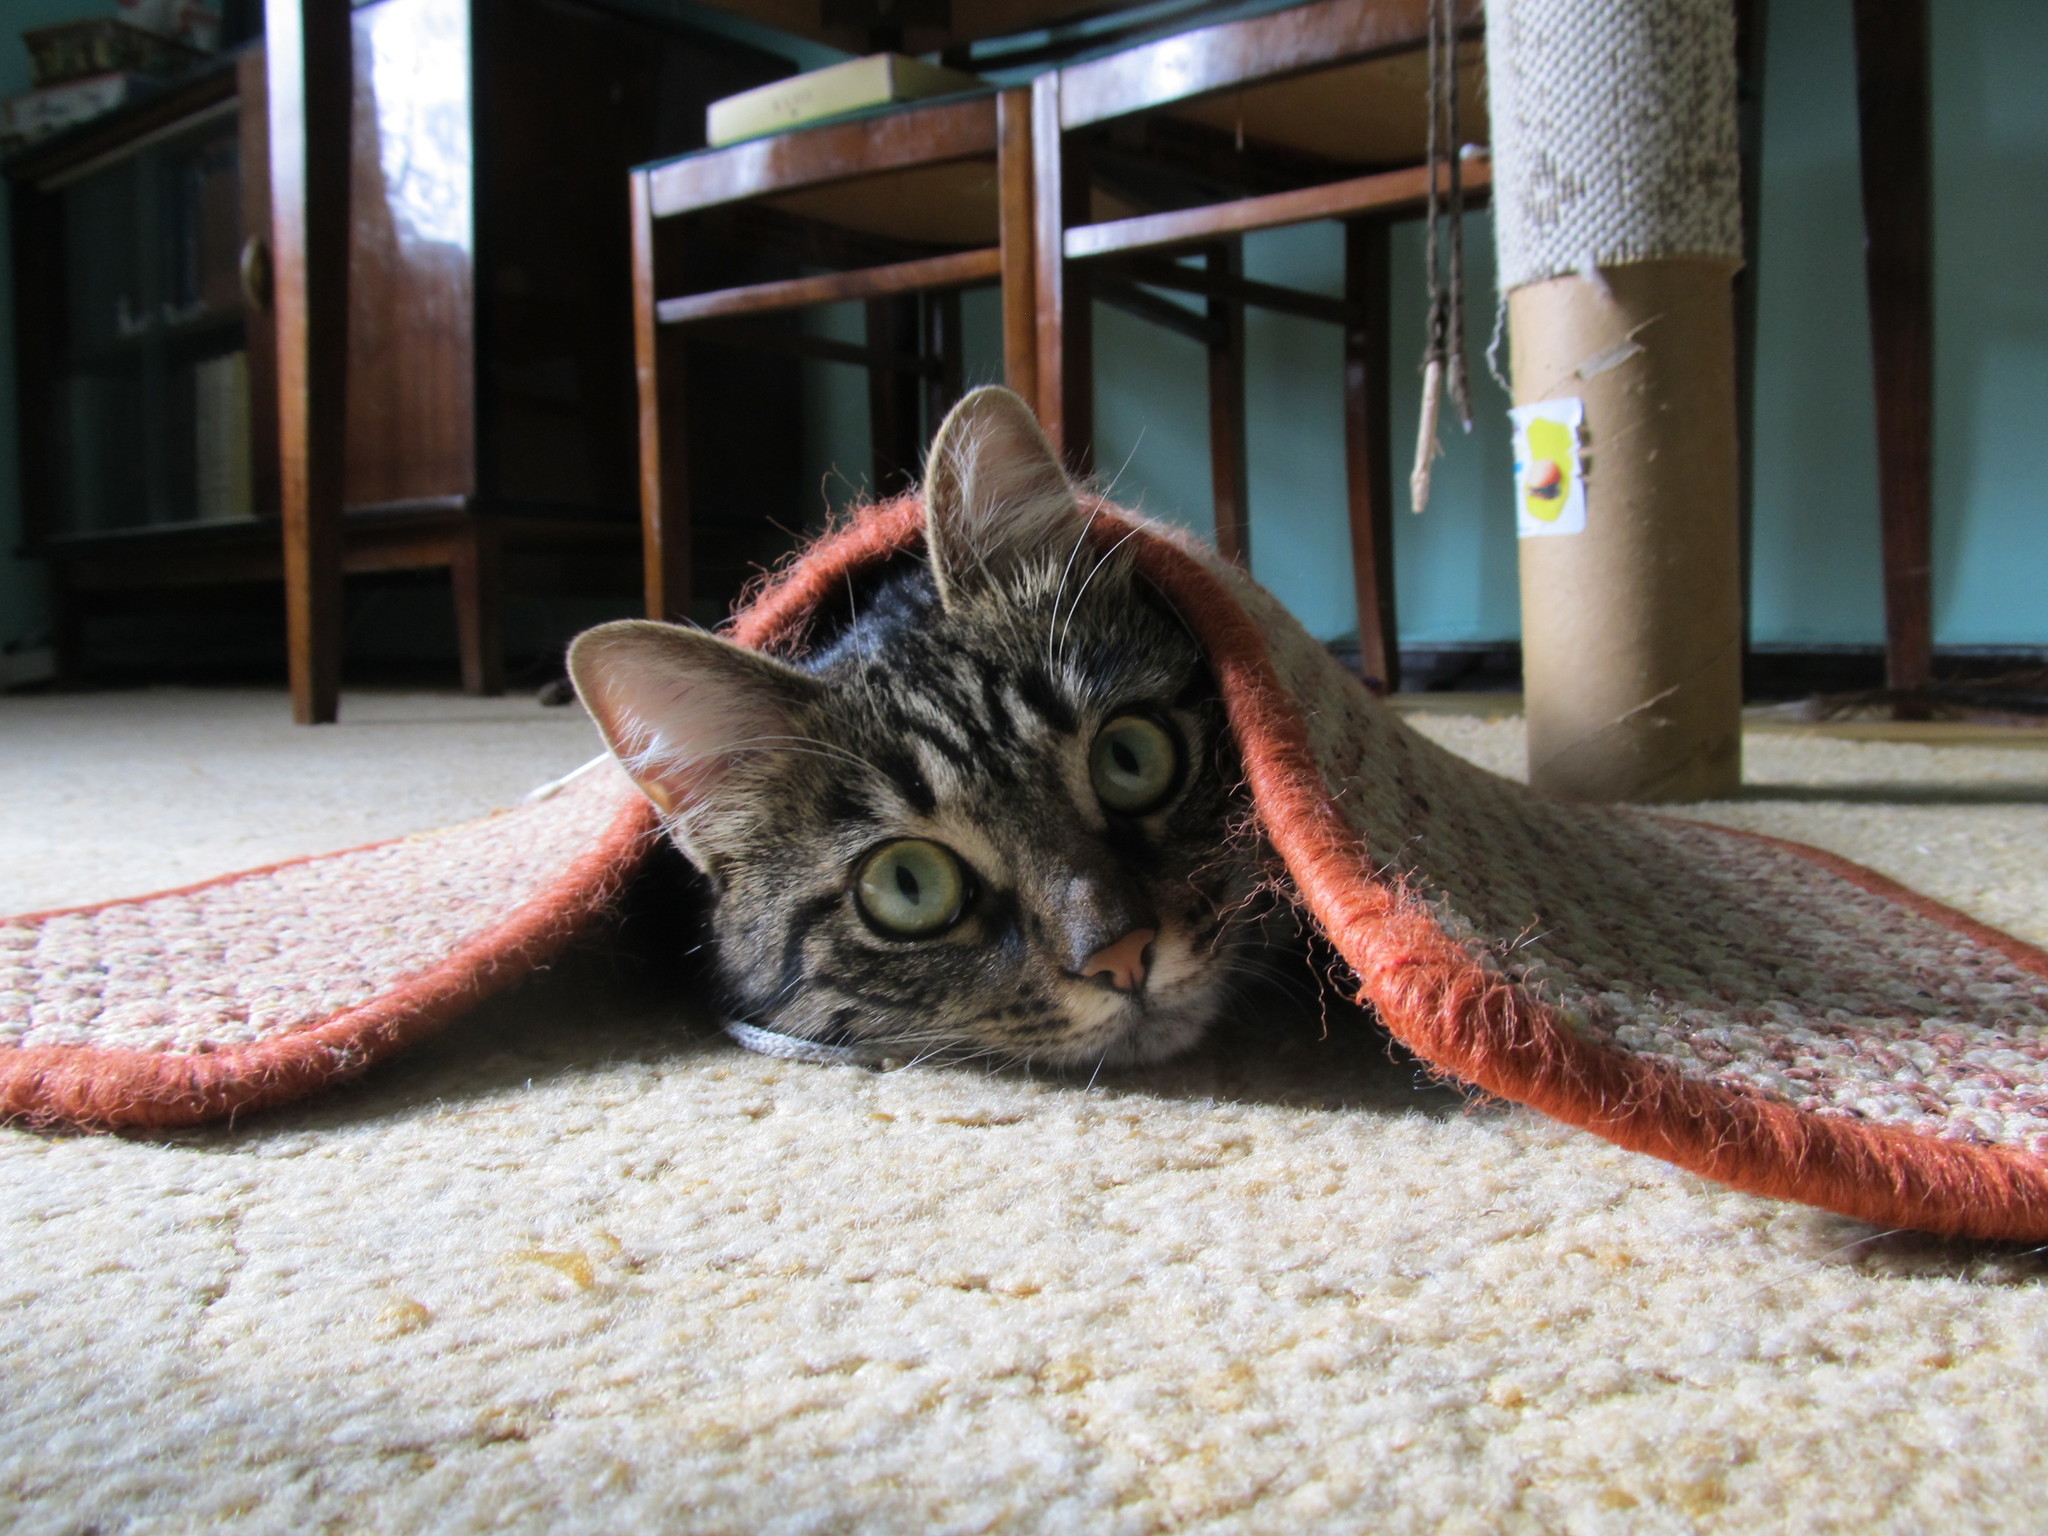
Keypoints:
(412, 298)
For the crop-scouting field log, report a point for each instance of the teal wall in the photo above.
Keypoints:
(1991, 321)
(1816, 540)
(1816, 549)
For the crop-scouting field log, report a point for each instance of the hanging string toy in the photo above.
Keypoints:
(1443, 358)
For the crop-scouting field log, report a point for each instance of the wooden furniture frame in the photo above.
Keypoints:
(309, 48)
(911, 290)
(1894, 115)
(440, 359)
(1079, 257)
(1027, 32)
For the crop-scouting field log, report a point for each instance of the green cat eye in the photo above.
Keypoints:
(911, 889)
(1135, 764)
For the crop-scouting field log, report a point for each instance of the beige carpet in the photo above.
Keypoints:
(581, 1266)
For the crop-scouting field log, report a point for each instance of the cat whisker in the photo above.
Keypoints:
(862, 639)
(993, 1054)
(1109, 490)
(782, 994)
(1246, 984)
(1814, 1265)
(1100, 1061)
(805, 744)
(1059, 592)
(1075, 607)
(1253, 962)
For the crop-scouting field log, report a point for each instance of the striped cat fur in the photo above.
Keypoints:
(1015, 730)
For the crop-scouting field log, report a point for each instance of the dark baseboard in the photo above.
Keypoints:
(1775, 673)
(398, 632)
(1478, 668)
(1770, 674)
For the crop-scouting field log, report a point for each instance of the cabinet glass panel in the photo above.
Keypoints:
(154, 374)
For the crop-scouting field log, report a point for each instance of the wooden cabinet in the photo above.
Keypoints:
(139, 365)
(491, 402)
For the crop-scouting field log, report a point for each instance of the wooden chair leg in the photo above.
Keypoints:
(479, 588)
(664, 463)
(1898, 227)
(946, 380)
(1227, 468)
(1015, 216)
(1368, 451)
(1076, 378)
(311, 89)
(1751, 24)
(1066, 351)
(893, 395)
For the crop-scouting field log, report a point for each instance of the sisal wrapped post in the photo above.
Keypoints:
(1616, 207)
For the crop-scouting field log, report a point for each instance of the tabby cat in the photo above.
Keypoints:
(996, 810)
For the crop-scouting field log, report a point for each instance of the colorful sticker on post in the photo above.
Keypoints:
(1550, 468)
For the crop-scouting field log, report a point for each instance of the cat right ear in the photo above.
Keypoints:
(995, 495)
(680, 707)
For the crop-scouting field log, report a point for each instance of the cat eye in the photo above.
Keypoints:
(1135, 764)
(911, 889)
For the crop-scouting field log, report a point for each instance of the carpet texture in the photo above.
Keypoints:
(577, 1264)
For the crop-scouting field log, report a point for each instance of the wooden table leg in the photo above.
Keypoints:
(1898, 225)
(664, 462)
(1368, 451)
(477, 577)
(1228, 477)
(311, 88)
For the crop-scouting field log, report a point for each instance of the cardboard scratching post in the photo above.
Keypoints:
(1616, 209)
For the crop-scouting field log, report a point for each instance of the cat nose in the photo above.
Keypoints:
(1122, 964)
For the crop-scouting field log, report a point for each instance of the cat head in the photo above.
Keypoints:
(997, 810)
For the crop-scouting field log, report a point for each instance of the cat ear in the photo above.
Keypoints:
(995, 495)
(679, 707)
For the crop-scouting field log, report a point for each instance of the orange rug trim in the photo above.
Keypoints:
(113, 1089)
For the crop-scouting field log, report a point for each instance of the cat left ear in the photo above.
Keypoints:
(995, 495)
(680, 707)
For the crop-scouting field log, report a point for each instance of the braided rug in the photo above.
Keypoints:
(1766, 1014)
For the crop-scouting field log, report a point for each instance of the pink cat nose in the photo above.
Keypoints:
(1121, 964)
